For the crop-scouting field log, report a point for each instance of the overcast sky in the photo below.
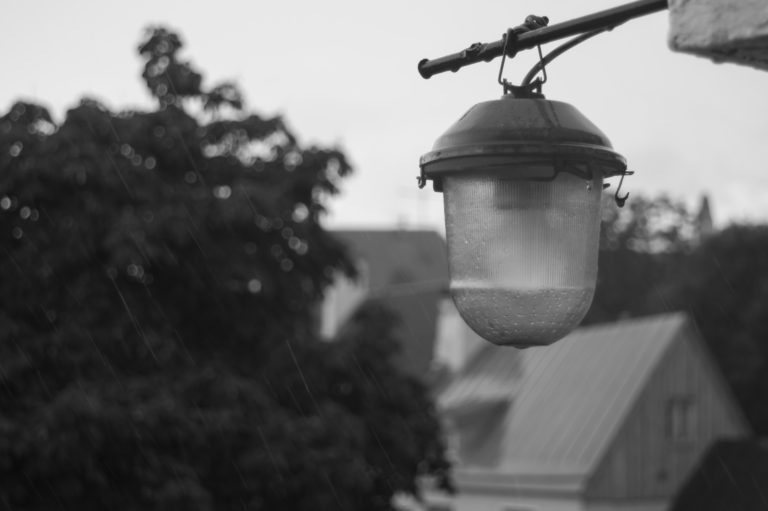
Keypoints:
(344, 73)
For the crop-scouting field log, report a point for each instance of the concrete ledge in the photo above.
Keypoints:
(723, 30)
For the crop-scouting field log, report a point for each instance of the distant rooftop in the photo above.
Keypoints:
(407, 270)
(564, 402)
(397, 259)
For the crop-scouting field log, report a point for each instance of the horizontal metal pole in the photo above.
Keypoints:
(480, 52)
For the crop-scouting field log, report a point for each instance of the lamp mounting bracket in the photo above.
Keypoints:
(529, 89)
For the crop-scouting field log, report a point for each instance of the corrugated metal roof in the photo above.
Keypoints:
(568, 399)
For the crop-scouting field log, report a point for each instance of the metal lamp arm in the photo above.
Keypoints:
(482, 52)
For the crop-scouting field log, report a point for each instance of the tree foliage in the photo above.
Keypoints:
(641, 246)
(724, 286)
(647, 225)
(157, 341)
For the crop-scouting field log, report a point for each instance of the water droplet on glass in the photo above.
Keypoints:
(6, 203)
(17, 233)
(25, 212)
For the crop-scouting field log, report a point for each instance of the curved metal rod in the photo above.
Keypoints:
(540, 65)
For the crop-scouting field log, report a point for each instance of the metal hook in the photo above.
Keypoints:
(421, 179)
(502, 81)
(620, 201)
(543, 67)
(531, 22)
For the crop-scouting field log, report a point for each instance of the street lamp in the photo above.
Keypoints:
(522, 179)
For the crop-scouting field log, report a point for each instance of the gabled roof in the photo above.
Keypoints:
(399, 261)
(566, 401)
(408, 272)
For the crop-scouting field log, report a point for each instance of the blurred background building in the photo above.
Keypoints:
(615, 416)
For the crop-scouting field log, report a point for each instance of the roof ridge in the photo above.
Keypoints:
(488, 346)
(676, 314)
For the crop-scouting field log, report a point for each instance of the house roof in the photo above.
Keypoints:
(399, 261)
(408, 272)
(565, 401)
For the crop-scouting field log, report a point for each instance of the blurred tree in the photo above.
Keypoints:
(731, 475)
(724, 286)
(647, 224)
(640, 248)
(157, 341)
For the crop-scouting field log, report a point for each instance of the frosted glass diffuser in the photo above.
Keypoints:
(522, 254)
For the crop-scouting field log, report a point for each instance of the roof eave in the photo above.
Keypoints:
(556, 485)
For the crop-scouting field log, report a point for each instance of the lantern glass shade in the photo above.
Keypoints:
(522, 253)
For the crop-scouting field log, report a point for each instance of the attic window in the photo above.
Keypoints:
(681, 418)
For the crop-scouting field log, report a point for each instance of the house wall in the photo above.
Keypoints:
(342, 299)
(455, 343)
(724, 30)
(649, 505)
(643, 461)
(468, 501)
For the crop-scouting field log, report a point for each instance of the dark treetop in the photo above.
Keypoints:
(160, 275)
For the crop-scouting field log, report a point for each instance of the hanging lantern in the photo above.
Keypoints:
(522, 179)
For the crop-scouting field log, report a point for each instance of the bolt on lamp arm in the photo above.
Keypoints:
(525, 40)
